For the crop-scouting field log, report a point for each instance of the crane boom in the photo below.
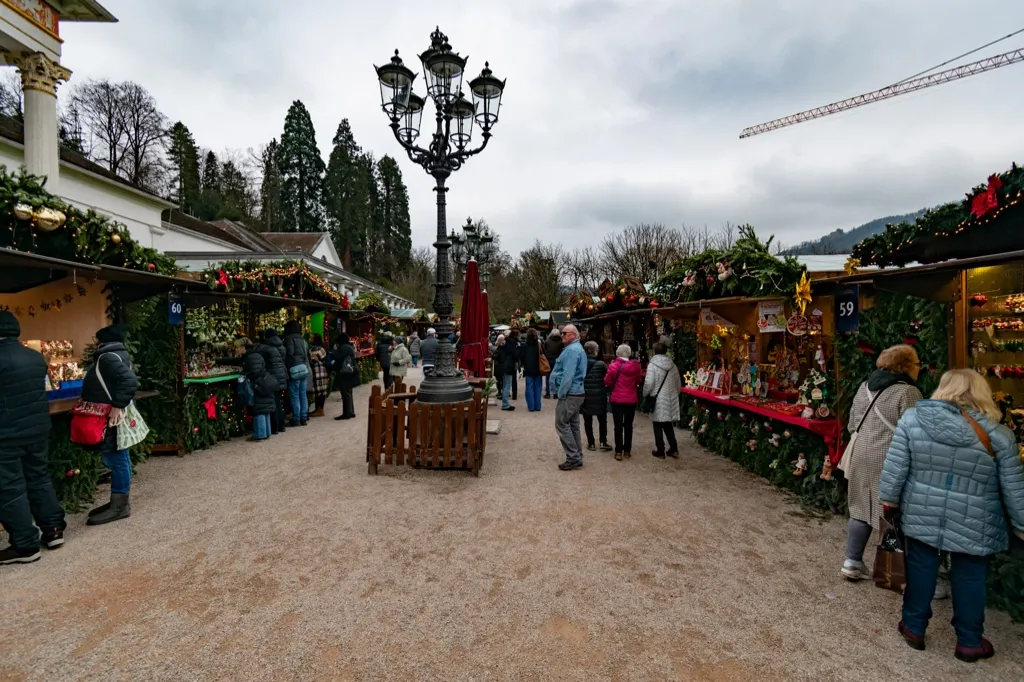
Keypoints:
(900, 88)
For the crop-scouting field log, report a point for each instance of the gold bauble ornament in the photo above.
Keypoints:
(22, 211)
(116, 238)
(48, 219)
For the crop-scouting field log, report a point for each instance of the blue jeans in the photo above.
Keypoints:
(966, 580)
(547, 385)
(415, 359)
(261, 426)
(299, 399)
(120, 465)
(506, 389)
(533, 397)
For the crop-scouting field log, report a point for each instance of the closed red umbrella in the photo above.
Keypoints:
(474, 348)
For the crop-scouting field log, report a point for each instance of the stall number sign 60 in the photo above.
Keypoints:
(175, 311)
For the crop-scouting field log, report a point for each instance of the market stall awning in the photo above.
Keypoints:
(616, 314)
(20, 270)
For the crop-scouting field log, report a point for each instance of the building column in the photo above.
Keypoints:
(40, 77)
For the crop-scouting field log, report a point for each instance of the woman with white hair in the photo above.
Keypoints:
(950, 479)
(623, 379)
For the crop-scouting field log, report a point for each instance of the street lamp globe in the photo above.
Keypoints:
(487, 91)
(395, 86)
(463, 113)
(443, 69)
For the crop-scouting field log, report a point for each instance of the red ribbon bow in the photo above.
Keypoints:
(986, 201)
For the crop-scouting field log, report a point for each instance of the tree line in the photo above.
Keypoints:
(281, 186)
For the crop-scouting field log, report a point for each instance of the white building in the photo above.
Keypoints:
(30, 42)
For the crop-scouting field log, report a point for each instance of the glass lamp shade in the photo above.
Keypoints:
(443, 70)
(487, 91)
(458, 248)
(395, 86)
(409, 126)
(463, 112)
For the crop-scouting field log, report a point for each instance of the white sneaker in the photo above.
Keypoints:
(855, 570)
(941, 590)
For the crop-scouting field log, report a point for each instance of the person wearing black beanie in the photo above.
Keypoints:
(26, 489)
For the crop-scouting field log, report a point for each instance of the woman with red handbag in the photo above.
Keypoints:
(111, 383)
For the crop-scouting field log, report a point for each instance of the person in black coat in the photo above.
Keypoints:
(505, 368)
(112, 364)
(264, 390)
(296, 359)
(272, 350)
(518, 365)
(346, 372)
(595, 400)
(26, 489)
(384, 360)
(530, 355)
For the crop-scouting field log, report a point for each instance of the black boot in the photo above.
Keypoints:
(99, 510)
(119, 509)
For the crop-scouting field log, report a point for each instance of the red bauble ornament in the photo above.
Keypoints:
(711, 280)
(151, 267)
(654, 304)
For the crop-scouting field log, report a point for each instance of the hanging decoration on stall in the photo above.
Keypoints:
(797, 324)
(42, 223)
(285, 279)
(211, 407)
(817, 394)
(55, 305)
(627, 293)
(933, 236)
(802, 296)
(370, 302)
(770, 316)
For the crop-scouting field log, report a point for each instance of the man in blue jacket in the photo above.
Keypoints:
(567, 381)
(26, 489)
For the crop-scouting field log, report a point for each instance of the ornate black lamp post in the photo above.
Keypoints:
(476, 244)
(449, 147)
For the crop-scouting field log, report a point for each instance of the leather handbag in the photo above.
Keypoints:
(545, 366)
(891, 558)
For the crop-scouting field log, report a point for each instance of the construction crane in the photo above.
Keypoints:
(895, 90)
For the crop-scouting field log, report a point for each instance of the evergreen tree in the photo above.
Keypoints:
(302, 172)
(271, 211)
(349, 199)
(393, 228)
(184, 168)
(234, 193)
(209, 205)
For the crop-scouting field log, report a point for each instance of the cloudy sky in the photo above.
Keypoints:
(616, 111)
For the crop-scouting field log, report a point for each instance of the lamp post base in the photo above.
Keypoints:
(436, 389)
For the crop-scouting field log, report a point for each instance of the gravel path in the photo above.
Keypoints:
(285, 561)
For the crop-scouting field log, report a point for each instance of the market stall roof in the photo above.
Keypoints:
(406, 313)
(936, 281)
(20, 270)
(616, 313)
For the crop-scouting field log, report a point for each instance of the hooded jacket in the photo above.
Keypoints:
(953, 495)
(414, 346)
(296, 350)
(110, 360)
(623, 378)
(264, 385)
(272, 350)
(595, 401)
(552, 348)
(400, 360)
(663, 382)
(24, 409)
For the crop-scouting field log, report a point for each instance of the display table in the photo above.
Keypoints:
(829, 429)
(65, 405)
(212, 379)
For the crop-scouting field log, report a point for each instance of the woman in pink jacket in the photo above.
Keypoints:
(623, 378)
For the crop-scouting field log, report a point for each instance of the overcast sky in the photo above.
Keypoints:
(615, 111)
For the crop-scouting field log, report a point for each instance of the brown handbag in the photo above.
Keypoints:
(891, 559)
(545, 366)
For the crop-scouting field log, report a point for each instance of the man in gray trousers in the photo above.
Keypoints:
(567, 381)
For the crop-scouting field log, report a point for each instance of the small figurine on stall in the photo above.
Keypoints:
(801, 465)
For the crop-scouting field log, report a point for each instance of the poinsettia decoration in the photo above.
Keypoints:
(986, 201)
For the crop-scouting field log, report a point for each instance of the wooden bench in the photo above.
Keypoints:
(403, 432)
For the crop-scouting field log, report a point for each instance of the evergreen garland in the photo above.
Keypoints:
(371, 302)
(286, 279)
(85, 236)
(746, 269)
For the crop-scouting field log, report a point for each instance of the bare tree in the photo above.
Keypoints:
(583, 269)
(643, 251)
(127, 131)
(416, 280)
(11, 101)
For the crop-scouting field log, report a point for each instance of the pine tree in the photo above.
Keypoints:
(209, 205)
(302, 172)
(271, 211)
(394, 226)
(351, 201)
(184, 168)
(234, 193)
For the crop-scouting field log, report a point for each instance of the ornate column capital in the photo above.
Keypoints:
(38, 72)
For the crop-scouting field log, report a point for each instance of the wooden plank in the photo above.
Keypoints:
(436, 417)
(448, 455)
(400, 436)
(389, 417)
(372, 443)
(482, 440)
(414, 435)
(471, 431)
(424, 435)
(460, 435)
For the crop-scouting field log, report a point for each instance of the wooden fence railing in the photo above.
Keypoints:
(404, 432)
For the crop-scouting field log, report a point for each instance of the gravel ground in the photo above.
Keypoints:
(285, 561)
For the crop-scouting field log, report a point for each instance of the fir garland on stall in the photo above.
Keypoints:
(285, 279)
(369, 369)
(35, 221)
(371, 302)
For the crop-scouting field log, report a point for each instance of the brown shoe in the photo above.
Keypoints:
(618, 456)
(627, 455)
(317, 413)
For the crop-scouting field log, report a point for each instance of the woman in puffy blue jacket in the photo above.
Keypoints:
(952, 475)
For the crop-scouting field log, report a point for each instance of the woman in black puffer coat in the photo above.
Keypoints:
(112, 362)
(272, 351)
(264, 388)
(346, 372)
(595, 400)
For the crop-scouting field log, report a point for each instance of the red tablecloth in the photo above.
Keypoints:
(829, 429)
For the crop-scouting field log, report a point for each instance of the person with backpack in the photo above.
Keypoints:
(296, 359)
(346, 373)
(28, 503)
(111, 381)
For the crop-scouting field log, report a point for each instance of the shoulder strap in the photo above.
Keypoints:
(871, 405)
(662, 384)
(980, 431)
(99, 374)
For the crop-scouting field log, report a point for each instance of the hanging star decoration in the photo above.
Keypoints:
(211, 407)
(851, 265)
(803, 292)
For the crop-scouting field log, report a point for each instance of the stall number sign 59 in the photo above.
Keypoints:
(847, 313)
(175, 311)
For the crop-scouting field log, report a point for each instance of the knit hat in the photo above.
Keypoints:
(115, 333)
(9, 327)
